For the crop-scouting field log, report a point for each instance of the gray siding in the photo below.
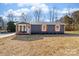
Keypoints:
(62, 28)
(36, 29)
(50, 29)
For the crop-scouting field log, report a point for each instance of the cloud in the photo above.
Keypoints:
(30, 7)
(24, 4)
(10, 11)
(34, 6)
(73, 9)
(46, 20)
(20, 11)
(62, 12)
(4, 17)
(43, 7)
(17, 12)
(27, 4)
(67, 10)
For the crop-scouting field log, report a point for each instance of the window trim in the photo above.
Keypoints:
(44, 27)
(57, 29)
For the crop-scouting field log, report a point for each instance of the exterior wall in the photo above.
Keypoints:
(22, 29)
(18, 30)
(62, 29)
(36, 29)
(51, 29)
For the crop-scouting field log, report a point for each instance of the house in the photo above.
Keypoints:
(1, 23)
(40, 28)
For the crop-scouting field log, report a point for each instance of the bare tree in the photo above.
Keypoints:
(10, 16)
(37, 14)
(51, 15)
(1, 23)
(56, 15)
(25, 17)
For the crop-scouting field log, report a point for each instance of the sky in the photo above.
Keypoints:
(28, 8)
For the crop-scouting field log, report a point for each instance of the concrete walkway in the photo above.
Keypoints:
(6, 35)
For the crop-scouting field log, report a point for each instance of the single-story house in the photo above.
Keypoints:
(39, 28)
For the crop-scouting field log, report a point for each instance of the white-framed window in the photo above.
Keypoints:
(57, 27)
(44, 27)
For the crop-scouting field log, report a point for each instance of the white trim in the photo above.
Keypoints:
(44, 27)
(57, 27)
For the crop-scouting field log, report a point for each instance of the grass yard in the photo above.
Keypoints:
(72, 32)
(40, 45)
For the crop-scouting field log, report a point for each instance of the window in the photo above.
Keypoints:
(24, 28)
(57, 27)
(44, 27)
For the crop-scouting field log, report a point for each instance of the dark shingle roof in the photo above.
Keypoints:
(23, 23)
(50, 23)
(39, 23)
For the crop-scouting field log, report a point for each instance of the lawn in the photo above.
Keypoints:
(40, 45)
(72, 32)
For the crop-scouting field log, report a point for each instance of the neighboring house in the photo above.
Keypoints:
(1, 23)
(39, 28)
